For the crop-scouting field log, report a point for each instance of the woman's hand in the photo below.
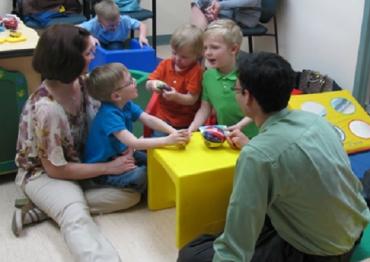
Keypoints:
(212, 11)
(237, 139)
(121, 164)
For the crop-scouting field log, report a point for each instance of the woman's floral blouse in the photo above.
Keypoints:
(47, 131)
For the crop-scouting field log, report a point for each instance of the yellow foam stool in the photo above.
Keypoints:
(197, 180)
(342, 110)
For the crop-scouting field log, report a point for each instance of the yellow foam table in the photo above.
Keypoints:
(343, 111)
(197, 180)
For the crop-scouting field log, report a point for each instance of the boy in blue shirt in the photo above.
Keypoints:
(111, 29)
(110, 134)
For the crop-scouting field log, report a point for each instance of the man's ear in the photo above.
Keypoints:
(248, 97)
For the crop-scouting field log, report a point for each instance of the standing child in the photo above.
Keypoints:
(110, 134)
(222, 40)
(180, 78)
(112, 29)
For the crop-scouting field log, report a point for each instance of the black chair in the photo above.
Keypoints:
(141, 15)
(268, 11)
(68, 18)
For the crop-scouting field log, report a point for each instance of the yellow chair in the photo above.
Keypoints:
(197, 180)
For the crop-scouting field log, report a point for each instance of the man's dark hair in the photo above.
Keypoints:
(59, 53)
(269, 78)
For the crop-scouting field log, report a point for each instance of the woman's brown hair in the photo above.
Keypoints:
(59, 53)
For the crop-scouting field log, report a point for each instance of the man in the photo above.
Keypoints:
(294, 197)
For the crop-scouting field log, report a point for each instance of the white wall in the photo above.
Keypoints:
(322, 35)
(5, 7)
(170, 14)
(313, 34)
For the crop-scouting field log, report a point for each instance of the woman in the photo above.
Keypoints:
(205, 11)
(52, 130)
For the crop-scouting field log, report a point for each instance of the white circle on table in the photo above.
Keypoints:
(314, 107)
(360, 128)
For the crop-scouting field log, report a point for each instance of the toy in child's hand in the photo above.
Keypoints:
(164, 87)
(160, 85)
(213, 135)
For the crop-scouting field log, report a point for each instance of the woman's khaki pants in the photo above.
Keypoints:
(68, 205)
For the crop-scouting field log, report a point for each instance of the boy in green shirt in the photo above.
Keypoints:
(222, 40)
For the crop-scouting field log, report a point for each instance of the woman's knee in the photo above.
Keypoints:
(54, 196)
(110, 199)
(75, 215)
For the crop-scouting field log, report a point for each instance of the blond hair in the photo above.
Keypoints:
(107, 9)
(188, 35)
(226, 28)
(104, 80)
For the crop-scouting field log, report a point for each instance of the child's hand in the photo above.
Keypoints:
(237, 139)
(241, 124)
(234, 127)
(94, 40)
(143, 41)
(179, 137)
(156, 86)
(129, 152)
(169, 93)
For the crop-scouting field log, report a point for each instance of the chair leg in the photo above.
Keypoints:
(154, 25)
(250, 44)
(276, 36)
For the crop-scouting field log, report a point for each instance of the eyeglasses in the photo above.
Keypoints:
(131, 82)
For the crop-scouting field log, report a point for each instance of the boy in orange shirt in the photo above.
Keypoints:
(177, 80)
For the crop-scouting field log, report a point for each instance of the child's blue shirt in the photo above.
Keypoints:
(121, 33)
(102, 145)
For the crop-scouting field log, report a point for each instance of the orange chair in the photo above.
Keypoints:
(151, 109)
